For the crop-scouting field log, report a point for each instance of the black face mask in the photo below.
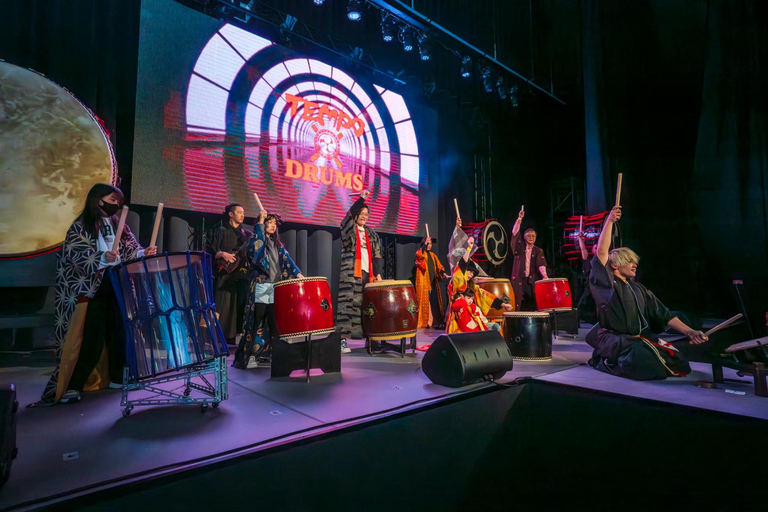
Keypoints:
(109, 208)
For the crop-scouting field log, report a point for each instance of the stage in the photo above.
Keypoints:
(340, 439)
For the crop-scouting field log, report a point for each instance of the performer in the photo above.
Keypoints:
(429, 273)
(463, 278)
(90, 340)
(231, 284)
(586, 303)
(468, 317)
(360, 261)
(270, 263)
(529, 266)
(629, 314)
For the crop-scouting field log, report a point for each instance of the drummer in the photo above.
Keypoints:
(90, 341)
(270, 263)
(429, 272)
(529, 265)
(360, 261)
(468, 316)
(463, 278)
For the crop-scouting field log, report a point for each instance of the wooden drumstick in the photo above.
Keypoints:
(581, 223)
(156, 228)
(456, 204)
(120, 227)
(261, 207)
(618, 191)
(427, 226)
(723, 325)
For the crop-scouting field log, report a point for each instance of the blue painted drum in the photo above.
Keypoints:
(168, 312)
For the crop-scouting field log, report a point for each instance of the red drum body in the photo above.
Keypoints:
(303, 307)
(501, 288)
(390, 310)
(553, 294)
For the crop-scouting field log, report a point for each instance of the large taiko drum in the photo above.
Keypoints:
(529, 335)
(390, 310)
(553, 294)
(168, 311)
(303, 307)
(501, 288)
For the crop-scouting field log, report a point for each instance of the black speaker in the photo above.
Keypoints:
(456, 360)
(8, 450)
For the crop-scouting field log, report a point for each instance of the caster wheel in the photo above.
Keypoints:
(203, 407)
(126, 413)
(216, 405)
(187, 392)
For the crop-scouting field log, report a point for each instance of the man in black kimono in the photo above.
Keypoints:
(231, 286)
(529, 266)
(625, 344)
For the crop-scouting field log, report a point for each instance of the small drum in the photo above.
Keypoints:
(553, 294)
(303, 307)
(168, 311)
(529, 335)
(390, 311)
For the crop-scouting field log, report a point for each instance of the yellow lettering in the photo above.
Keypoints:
(292, 168)
(344, 179)
(357, 182)
(310, 172)
(323, 179)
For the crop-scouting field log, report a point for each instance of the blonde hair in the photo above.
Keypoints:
(621, 256)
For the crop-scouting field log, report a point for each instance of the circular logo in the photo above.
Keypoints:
(495, 242)
(327, 143)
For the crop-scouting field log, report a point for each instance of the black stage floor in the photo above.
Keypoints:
(71, 450)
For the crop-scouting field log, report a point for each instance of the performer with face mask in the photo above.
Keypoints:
(90, 341)
(360, 261)
(270, 263)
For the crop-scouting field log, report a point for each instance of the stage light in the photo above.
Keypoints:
(318, 2)
(501, 88)
(466, 66)
(513, 96)
(425, 47)
(355, 10)
(407, 37)
(487, 79)
(388, 28)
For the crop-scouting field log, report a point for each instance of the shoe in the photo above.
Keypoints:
(344, 347)
(71, 397)
(264, 362)
(252, 363)
(115, 385)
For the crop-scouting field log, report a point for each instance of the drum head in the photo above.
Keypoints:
(52, 151)
(520, 314)
(388, 283)
(552, 280)
(161, 262)
(299, 280)
(487, 280)
(495, 242)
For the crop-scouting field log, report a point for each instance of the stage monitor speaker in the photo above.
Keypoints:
(8, 450)
(460, 359)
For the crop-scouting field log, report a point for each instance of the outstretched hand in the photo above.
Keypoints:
(521, 214)
(365, 194)
(150, 251)
(697, 337)
(614, 216)
(508, 307)
(458, 222)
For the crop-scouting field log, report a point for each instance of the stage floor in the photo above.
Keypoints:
(72, 449)
(69, 450)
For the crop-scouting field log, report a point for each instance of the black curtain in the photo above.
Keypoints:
(673, 98)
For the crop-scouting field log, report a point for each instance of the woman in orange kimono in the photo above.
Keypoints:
(429, 273)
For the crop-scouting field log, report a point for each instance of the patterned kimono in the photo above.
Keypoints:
(484, 300)
(429, 273)
(349, 302)
(78, 278)
(468, 317)
(253, 343)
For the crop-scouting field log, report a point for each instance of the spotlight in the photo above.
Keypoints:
(425, 47)
(355, 10)
(487, 79)
(407, 37)
(466, 66)
(501, 89)
(513, 96)
(388, 28)
(318, 2)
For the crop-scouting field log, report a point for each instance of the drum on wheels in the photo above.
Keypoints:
(390, 311)
(171, 326)
(303, 307)
(529, 335)
(553, 294)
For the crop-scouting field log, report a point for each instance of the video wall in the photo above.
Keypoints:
(223, 113)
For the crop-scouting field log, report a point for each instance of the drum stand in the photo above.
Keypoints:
(202, 392)
(287, 357)
(758, 371)
(384, 346)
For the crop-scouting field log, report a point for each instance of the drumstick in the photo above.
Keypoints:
(427, 226)
(618, 191)
(155, 229)
(723, 325)
(581, 223)
(256, 197)
(456, 204)
(120, 227)
(522, 208)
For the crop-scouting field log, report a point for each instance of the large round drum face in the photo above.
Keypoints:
(553, 294)
(303, 307)
(52, 151)
(390, 311)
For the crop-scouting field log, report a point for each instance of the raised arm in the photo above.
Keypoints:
(516, 227)
(604, 242)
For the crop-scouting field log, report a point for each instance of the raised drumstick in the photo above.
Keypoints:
(456, 204)
(427, 226)
(723, 325)
(618, 191)
(120, 227)
(581, 223)
(156, 228)
(256, 197)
